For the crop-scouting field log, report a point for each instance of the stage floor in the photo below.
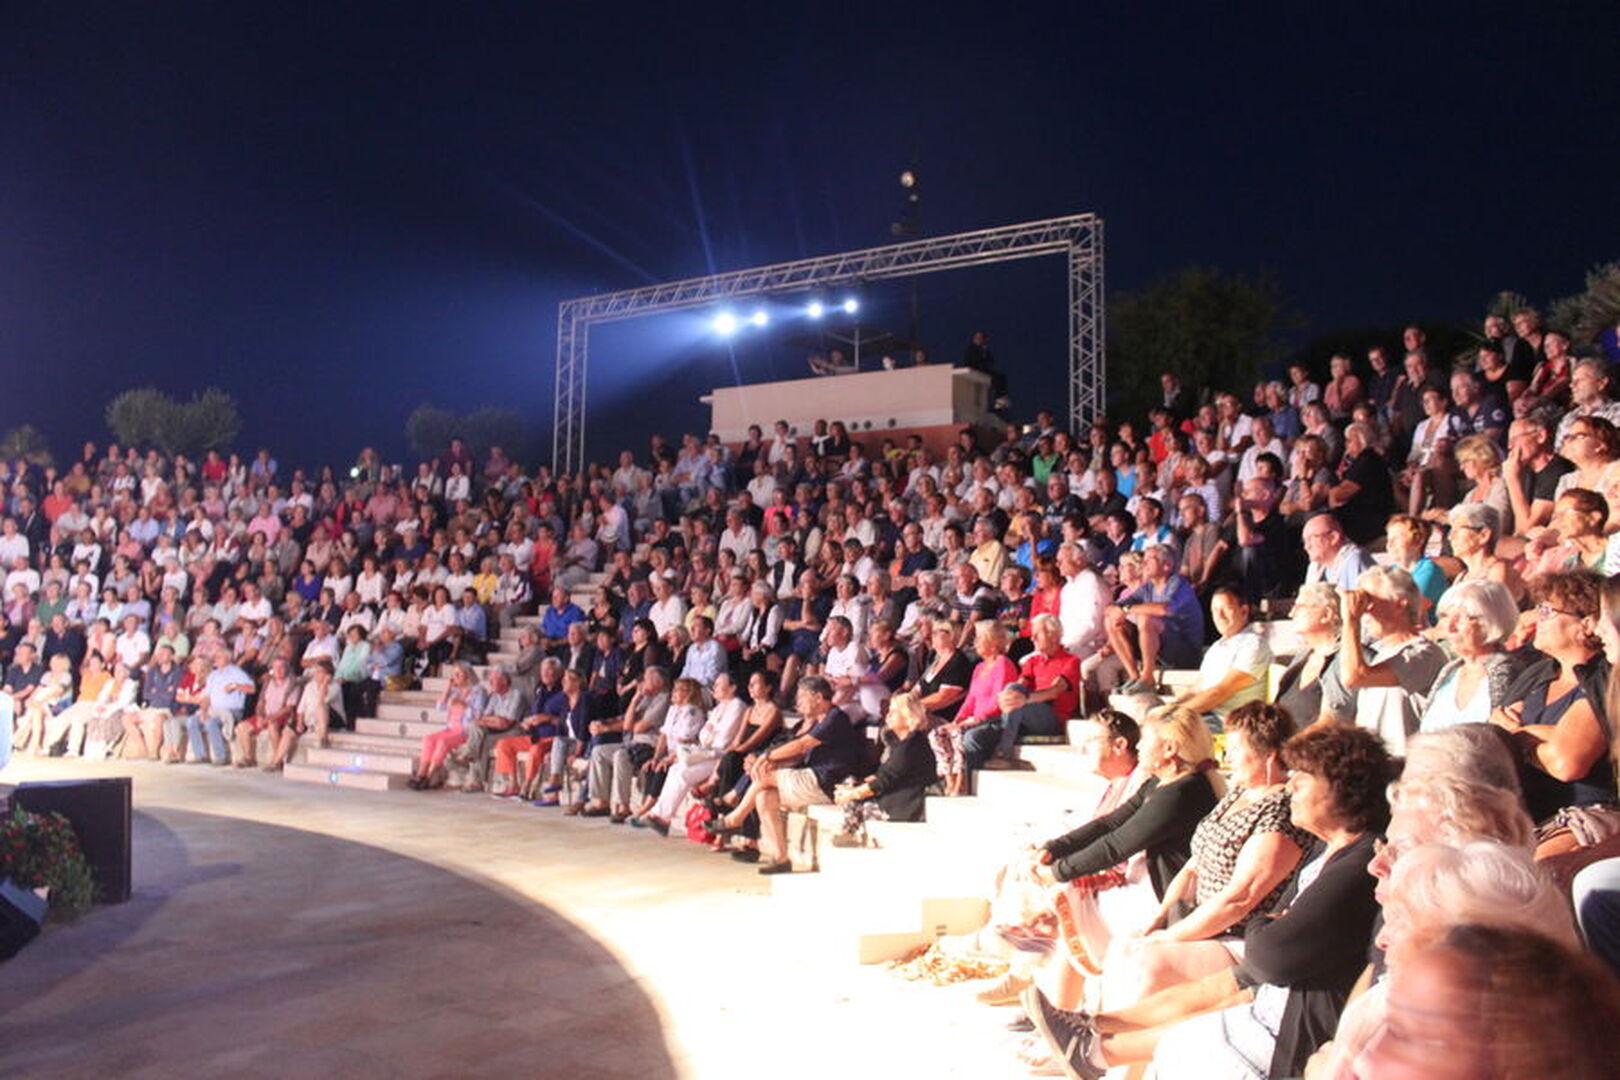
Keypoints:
(289, 930)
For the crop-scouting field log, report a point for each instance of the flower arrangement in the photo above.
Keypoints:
(42, 850)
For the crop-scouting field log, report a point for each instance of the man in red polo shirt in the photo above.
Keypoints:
(1046, 695)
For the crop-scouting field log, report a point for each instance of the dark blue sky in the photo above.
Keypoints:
(339, 214)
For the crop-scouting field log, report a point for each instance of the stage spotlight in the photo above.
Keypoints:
(725, 324)
(816, 309)
(759, 318)
(851, 306)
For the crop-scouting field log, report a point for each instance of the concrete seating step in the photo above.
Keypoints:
(343, 758)
(356, 743)
(343, 777)
(395, 710)
(409, 697)
(405, 729)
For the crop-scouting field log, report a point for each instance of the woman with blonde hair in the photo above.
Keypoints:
(1480, 462)
(896, 792)
(1102, 902)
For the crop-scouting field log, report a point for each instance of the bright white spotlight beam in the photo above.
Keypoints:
(816, 309)
(851, 306)
(759, 318)
(725, 324)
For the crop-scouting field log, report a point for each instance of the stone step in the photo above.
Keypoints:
(356, 743)
(393, 710)
(424, 699)
(404, 729)
(301, 773)
(340, 758)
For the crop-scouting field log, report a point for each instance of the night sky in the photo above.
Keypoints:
(337, 215)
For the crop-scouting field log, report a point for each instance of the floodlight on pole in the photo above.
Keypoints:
(816, 309)
(851, 306)
(759, 318)
(725, 324)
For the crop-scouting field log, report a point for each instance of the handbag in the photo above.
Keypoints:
(1576, 837)
(698, 817)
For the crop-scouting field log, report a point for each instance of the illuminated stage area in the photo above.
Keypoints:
(282, 930)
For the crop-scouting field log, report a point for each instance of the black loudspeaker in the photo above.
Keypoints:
(101, 811)
(21, 912)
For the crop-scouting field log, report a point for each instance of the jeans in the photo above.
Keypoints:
(1596, 895)
(1034, 718)
(979, 742)
(210, 734)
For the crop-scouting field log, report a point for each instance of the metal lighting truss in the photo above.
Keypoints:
(1079, 236)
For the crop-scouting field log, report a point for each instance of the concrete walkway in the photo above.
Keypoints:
(290, 931)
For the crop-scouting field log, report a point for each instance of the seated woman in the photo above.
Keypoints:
(1576, 538)
(273, 711)
(760, 729)
(95, 722)
(1381, 688)
(1277, 1006)
(896, 792)
(1459, 1012)
(1243, 856)
(320, 707)
(1480, 462)
(53, 696)
(1476, 618)
(1406, 539)
(1474, 531)
(67, 725)
(1555, 713)
(965, 743)
(697, 761)
(459, 698)
(803, 618)
(1315, 616)
(682, 724)
(190, 695)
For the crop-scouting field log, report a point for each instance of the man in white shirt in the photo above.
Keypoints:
(845, 666)
(1333, 558)
(668, 609)
(13, 544)
(134, 645)
(323, 646)
(1081, 603)
(738, 537)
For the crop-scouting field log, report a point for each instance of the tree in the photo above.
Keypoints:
(149, 417)
(1205, 325)
(26, 442)
(431, 428)
(1588, 314)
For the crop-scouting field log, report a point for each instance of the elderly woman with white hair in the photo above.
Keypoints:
(1474, 529)
(1476, 618)
(1434, 887)
(1381, 688)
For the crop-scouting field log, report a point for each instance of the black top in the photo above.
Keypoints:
(902, 779)
(1545, 795)
(957, 671)
(1364, 516)
(1158, 819)
(1316, 948)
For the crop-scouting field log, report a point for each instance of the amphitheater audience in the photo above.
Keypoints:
(156, 609)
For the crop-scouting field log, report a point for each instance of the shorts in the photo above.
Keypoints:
(799, 788)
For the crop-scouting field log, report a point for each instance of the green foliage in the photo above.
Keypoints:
(431, 428)
(1587, 314)
(1507, 304)
(43, 850)
(1209, 327)
(26, 442)
(149, 417)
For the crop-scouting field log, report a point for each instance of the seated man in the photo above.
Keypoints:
(801, 772)
(1333, 558)
(1046, 695)
(1236, 668)
(1159, 621)
(503, 708)
(614, 764)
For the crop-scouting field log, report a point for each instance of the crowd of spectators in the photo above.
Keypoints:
(804, 619)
